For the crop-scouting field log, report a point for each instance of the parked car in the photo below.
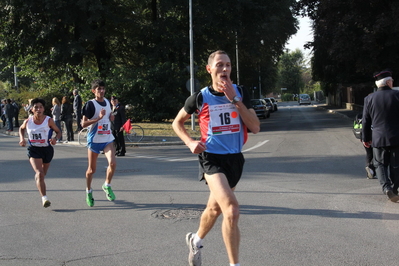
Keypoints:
(260, 108)
(269, 104)
(274, 101)
(304, 99)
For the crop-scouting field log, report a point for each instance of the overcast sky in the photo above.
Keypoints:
(303, 36)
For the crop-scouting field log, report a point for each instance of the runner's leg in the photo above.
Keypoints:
(92, 166)
(40, 172)
(224, 197)
(109, 152)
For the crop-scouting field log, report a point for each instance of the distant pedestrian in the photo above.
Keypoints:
(56, 113)
(16, 113)
(9, 115)
(118, 111)
(97, 115)
(77, 109)
(66, 116)
(39, 129)
(3, 112)
(380, 130)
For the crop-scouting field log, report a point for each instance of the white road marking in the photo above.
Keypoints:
(256, 146)
(193, 158)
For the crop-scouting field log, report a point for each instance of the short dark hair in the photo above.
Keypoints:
(212, 55)
(37, 100)
(65, 99)
(97, 83)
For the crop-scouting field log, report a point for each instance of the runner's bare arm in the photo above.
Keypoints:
(178, 126)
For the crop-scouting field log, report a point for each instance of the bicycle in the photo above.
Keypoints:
(135, 135)
(82, 136)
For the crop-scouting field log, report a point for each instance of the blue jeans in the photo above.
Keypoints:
(386, 162)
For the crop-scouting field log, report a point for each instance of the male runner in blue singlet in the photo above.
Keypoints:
(224, 114)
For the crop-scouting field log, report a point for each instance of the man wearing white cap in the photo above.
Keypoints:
(381, 110)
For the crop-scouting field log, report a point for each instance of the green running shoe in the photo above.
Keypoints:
(90, 199)
(109, 193)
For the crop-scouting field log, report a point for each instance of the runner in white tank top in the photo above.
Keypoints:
(97, 114)
(39, 128)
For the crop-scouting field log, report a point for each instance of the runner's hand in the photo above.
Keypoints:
(196, 147)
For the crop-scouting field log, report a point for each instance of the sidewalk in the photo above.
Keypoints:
(346, 113)
(146, 141)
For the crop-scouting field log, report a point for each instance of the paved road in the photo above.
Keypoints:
(305, 200)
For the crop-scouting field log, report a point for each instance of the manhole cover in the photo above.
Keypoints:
(178, 214)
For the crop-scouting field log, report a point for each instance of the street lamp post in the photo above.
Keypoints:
(191, 58)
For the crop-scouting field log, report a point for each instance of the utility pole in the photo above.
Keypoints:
(238, 69)
(191, 34)
(15, 78)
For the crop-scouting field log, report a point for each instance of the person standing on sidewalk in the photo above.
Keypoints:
(16, 113)
(77, 109)
(67, 117)
(224, 114)
(380, 130)
(56, 113)
(10, 115)
(97, 113)
(39, 128)
(118, 111)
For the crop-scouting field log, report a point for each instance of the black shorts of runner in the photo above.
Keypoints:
(45, 153)
(231, 165)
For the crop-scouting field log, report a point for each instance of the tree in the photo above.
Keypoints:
(290, 69)
(140, 48)
(352, 39)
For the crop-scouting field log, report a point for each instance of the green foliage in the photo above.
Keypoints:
(352, 39)
(291, 67)
(286, 97)
(140, 48)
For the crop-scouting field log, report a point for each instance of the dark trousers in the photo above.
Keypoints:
(69, 129)
(16, 121)
(369, 158)
(79, 120)
(119, 141)
(9, 123)
(386, 162)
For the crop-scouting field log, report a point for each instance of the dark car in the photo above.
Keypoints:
(274, 101)
(260, 108)
(269, 104)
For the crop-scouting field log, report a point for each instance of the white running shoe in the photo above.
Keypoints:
(194, 257)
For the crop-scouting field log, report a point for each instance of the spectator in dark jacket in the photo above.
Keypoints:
(66, 116)
(77, 109)
(9, 115)
(16, 113)
(118, 111)
(381, 110)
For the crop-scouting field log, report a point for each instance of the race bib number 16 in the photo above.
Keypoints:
(224, 119)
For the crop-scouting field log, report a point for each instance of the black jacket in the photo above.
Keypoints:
(381, 109)
(120, 117)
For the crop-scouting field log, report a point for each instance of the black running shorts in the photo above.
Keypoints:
(45, 153)
(231, 165)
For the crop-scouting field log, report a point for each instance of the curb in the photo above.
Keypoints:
(151, 140)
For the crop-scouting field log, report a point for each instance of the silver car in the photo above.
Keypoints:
(260, 108)
(304, 99)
